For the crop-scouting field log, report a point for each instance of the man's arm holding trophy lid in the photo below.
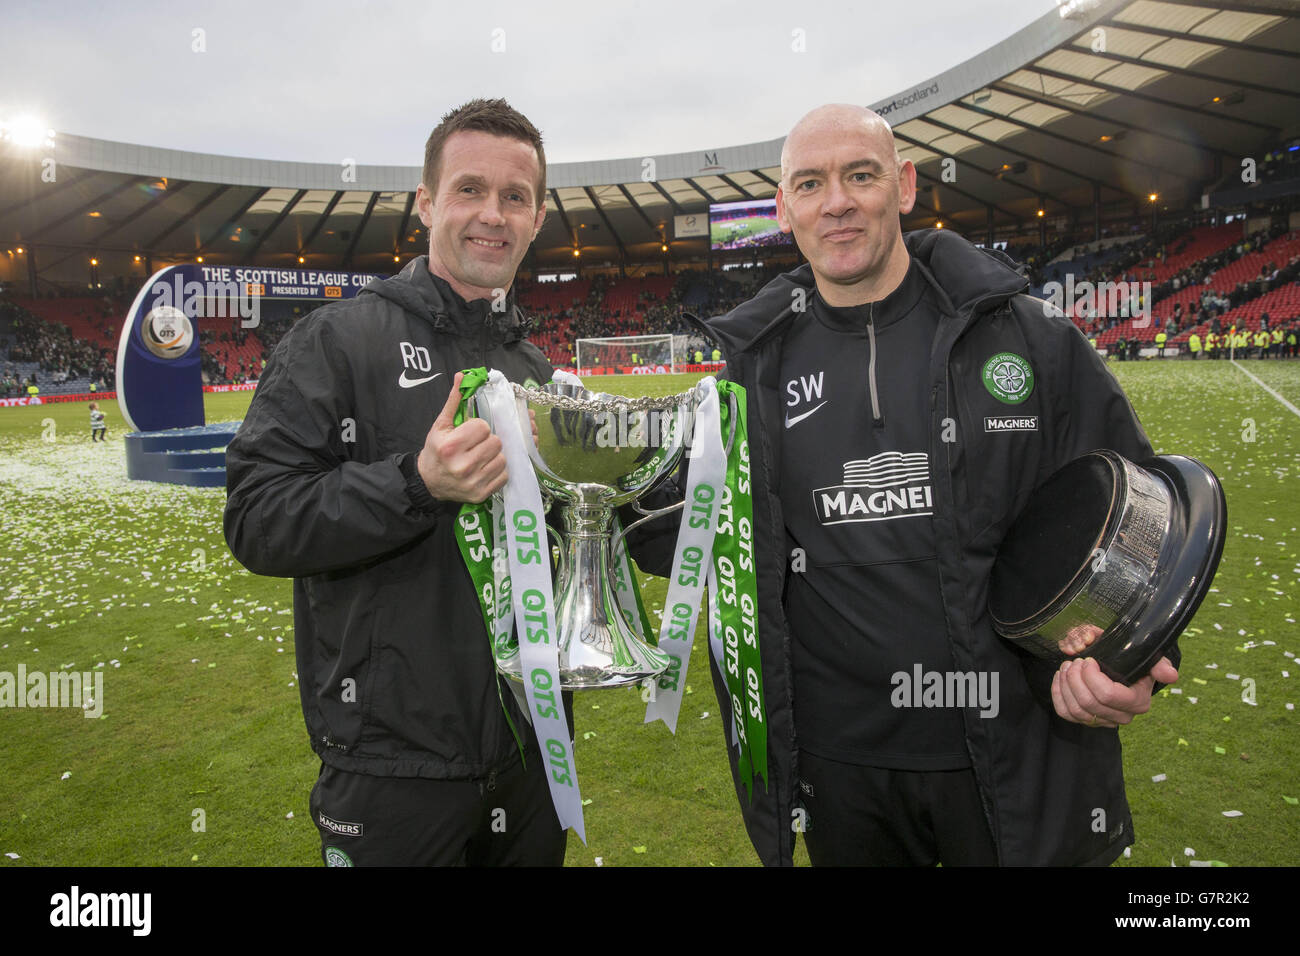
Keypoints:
(1090, 411)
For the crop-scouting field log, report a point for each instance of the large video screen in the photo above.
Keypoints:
(742, 225)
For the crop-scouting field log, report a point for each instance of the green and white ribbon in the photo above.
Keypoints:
(480, 533)
(733, 599)
(506, 553)
(691, 561)
(718, 522)
(529, 589)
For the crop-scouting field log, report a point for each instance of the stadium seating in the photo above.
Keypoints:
(97, 321)
(1205, 241)
(564, 311)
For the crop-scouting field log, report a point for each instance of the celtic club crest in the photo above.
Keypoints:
(1008, 377)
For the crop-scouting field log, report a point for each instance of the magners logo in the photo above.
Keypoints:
(885, 486)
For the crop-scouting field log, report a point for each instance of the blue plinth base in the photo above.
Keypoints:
(181, 456)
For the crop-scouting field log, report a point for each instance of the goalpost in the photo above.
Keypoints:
(645, 351)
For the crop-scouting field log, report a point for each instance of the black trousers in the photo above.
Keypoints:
(506, 819)
(867, 816)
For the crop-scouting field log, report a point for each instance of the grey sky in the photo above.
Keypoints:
(322, 81)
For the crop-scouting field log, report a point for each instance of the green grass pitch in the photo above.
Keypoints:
(201, 759)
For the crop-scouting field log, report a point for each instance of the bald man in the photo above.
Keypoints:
(904, 398)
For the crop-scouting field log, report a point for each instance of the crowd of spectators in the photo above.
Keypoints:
(226, 357)
(1280, 163)
(1137, 264)
(13, 385)
(215, 367)
(56, 352)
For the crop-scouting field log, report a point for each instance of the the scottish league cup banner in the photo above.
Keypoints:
(159, 371)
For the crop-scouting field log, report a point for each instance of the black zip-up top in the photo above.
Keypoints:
(395, 672)
(1047, 785)
(858, 503)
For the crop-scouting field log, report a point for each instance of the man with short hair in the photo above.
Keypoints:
(348, 475)
(904, 397)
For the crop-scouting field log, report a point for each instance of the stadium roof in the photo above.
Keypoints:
(1088, 110)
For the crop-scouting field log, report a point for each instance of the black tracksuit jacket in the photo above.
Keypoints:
(1042, 780)
(394, 665)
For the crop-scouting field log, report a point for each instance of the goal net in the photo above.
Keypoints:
(613, 355)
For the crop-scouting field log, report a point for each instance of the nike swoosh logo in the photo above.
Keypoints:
(798, 418)
(412, 382)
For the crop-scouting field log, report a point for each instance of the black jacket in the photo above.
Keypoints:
(394, 666)
(1052, 790)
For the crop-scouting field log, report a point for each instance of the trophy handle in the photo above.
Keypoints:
(660, 512)
(731, 439)
(563, 549)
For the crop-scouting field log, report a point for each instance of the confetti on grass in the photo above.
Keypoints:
(638, 849)
(1232, 813)
(1158, 778)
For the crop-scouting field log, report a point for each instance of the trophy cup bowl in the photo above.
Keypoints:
(1105, 544)
(594, 452)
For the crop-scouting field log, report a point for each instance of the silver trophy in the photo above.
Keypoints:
(1112, 557)
(594, 453)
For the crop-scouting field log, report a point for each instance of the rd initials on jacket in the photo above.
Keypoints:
(415, 357)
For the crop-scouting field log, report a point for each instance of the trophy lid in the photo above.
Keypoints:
(1047, 556)
(1108, 544)
(1201, 513)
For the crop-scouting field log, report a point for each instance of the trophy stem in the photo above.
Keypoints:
(598, 647)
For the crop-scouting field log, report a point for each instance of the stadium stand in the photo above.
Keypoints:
(1197, 273)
